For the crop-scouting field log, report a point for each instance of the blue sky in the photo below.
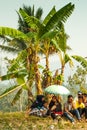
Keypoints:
(76, 26)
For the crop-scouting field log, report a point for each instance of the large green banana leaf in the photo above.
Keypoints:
(81, 60)
(61, 15)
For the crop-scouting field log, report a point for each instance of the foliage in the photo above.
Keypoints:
(78, 80)
(7, 102)
(38, 31)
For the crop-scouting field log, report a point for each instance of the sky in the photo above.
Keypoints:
(75, 26)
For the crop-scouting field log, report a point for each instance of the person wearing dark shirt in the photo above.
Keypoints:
(55, 108)
(38, 103)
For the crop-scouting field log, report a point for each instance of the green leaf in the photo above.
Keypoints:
(50, 14)
(9, 49)
(32, 21)
(17, 96)
(81, 60)
(49, 35)
(60, 16)
(13, 33)
(10, 90)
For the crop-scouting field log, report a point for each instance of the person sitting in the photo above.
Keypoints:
(55, 108)
(70, 110)
(80, 105)
(40, 111)
(78, 94)
(37, 104)
(44, 109)
(84, 109)
(51, 104)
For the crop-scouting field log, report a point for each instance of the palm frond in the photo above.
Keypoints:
(67, 59)
(13, 33)
(61, 15)
(55, 44)
(30, 20)
(50, 14)
(39, 13)
(14, 74)
(4, 38)
(17, 96)
(20, 62)
(18, 44)
(29, 10)
(49, 35)
(9, 49)
(81, 60)
(10, 90)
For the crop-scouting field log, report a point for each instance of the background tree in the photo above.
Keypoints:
(78, 80)
(33, 39)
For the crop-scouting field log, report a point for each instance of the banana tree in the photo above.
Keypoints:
(52, 26)
(34, 37)
(61, 47)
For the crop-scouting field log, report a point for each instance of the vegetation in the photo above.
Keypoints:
(34, 37)
(41, 33)
(42, 37)
(78, 80)
(18, 121)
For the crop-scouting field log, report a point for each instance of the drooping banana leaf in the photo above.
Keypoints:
(13, 33)
(67, 59)
(81, 60)
(14, 74)
(10, 90)
(17, 96)
(9, 49)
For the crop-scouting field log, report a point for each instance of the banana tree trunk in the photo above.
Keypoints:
(30, 74)
(37, 74)
(32, 66)
(62, 75)
(47, 61)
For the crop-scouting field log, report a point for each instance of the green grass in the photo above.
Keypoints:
(19, 121)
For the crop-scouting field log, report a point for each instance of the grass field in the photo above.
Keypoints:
(19, 121)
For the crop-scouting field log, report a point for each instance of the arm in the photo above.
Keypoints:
(66, 110)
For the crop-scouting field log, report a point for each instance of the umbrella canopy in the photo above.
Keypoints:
(57, 89)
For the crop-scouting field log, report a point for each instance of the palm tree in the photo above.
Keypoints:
(23, 26)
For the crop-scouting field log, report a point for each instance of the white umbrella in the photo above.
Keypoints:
(57, 89)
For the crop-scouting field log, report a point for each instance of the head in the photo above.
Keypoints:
(79, 93)
(45, 104)
(40, 98)
(80, 99)
(70, 98)
(84, 96)
(54, 98)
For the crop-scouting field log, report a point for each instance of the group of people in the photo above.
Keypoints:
(71, 109)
